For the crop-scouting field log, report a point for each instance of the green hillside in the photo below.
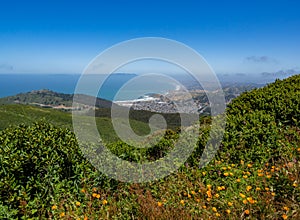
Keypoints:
(50, 98)
(255, 174)
(16, 114)
(13, 115)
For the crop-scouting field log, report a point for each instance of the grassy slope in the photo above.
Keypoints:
(13, 115)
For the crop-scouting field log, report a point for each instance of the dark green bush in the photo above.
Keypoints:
(37, 162)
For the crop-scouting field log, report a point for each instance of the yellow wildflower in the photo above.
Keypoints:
(248, 188)
(104, 202)
(226, 174)
(54, 207)
(62, 214)
(182, 202)
(228, 211)
(242, 195)
(230, 203)
(214, 209)
(159, 204)
(284, 216)
(247, 212)
(286, 208)
(94, 195)
(77, 203)
(209, 193)
(249, 199)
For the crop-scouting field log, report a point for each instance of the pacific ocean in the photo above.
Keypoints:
(12, 84)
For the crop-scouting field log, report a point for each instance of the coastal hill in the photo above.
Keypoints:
(47, 98)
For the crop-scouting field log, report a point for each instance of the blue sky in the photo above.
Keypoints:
(233, 36)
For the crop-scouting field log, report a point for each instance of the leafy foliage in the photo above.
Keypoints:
(37, 162)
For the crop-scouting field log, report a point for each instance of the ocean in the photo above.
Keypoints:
(117, 87)
(12, 84)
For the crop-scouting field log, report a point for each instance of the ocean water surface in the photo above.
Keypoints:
(117, 87)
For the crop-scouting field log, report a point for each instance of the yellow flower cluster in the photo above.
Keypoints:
(221, 188)
(96, 195)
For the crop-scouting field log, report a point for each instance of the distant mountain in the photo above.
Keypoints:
(51, 99)
(281, 73)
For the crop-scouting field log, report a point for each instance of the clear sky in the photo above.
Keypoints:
(233, 36)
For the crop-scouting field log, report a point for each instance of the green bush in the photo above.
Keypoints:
(37, 162)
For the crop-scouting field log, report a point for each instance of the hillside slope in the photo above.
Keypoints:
(259, 120)
(50, 98)
(13, 115)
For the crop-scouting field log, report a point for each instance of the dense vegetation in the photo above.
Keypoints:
(254, 176)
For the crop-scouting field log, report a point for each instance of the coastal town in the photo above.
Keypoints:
(162, 104)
